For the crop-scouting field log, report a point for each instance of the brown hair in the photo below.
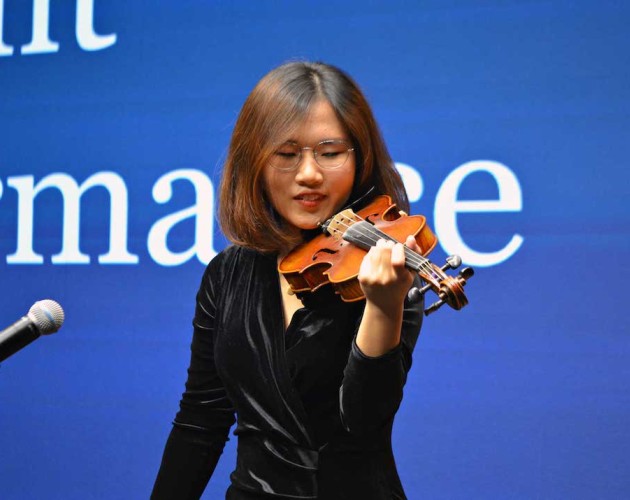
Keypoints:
(278, 103)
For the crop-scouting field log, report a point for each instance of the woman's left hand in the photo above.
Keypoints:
(385, 282)
(383, 276)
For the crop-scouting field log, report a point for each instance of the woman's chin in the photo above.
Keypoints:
(305, 224)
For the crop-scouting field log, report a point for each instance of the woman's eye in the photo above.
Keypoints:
(287, 154)
(330, 151)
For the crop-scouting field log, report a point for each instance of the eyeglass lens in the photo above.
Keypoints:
(328, 154)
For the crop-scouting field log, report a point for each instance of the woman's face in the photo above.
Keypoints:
(310, 194)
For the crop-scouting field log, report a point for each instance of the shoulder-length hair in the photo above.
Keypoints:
(278, 104)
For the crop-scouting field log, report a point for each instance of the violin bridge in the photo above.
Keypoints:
(338, 224)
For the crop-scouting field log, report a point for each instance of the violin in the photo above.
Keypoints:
(335, 255)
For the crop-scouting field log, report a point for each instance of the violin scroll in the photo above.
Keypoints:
(449, 289)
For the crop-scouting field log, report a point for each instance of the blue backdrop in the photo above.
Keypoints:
(510, 121)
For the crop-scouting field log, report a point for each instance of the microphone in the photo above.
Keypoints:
(44, 317)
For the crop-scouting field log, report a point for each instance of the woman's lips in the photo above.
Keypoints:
(310, 200)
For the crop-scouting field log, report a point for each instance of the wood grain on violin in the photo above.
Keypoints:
(335, 256)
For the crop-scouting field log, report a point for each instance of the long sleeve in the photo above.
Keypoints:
(372, 388)
(201, 426)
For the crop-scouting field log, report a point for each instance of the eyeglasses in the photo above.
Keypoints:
(328, 154)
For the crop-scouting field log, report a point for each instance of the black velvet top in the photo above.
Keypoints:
(314, 415)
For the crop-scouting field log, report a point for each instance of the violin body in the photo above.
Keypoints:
(335, 256)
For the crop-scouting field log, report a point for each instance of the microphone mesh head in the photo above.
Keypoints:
(47, 315)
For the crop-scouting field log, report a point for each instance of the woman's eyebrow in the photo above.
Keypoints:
(325, 139)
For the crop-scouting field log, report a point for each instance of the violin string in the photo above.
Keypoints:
(376, 235)
(419, 261)
(415, 259)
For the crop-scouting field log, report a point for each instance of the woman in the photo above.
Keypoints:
(314, 382)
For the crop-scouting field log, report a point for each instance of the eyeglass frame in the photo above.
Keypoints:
(302, 148)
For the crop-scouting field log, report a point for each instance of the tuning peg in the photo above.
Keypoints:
(466, 273)
(434, 307)
(415, 294)
(452, 262)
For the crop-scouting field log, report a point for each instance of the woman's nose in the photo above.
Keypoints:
(308, 170)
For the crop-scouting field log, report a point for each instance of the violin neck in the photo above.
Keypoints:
(365, 235)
